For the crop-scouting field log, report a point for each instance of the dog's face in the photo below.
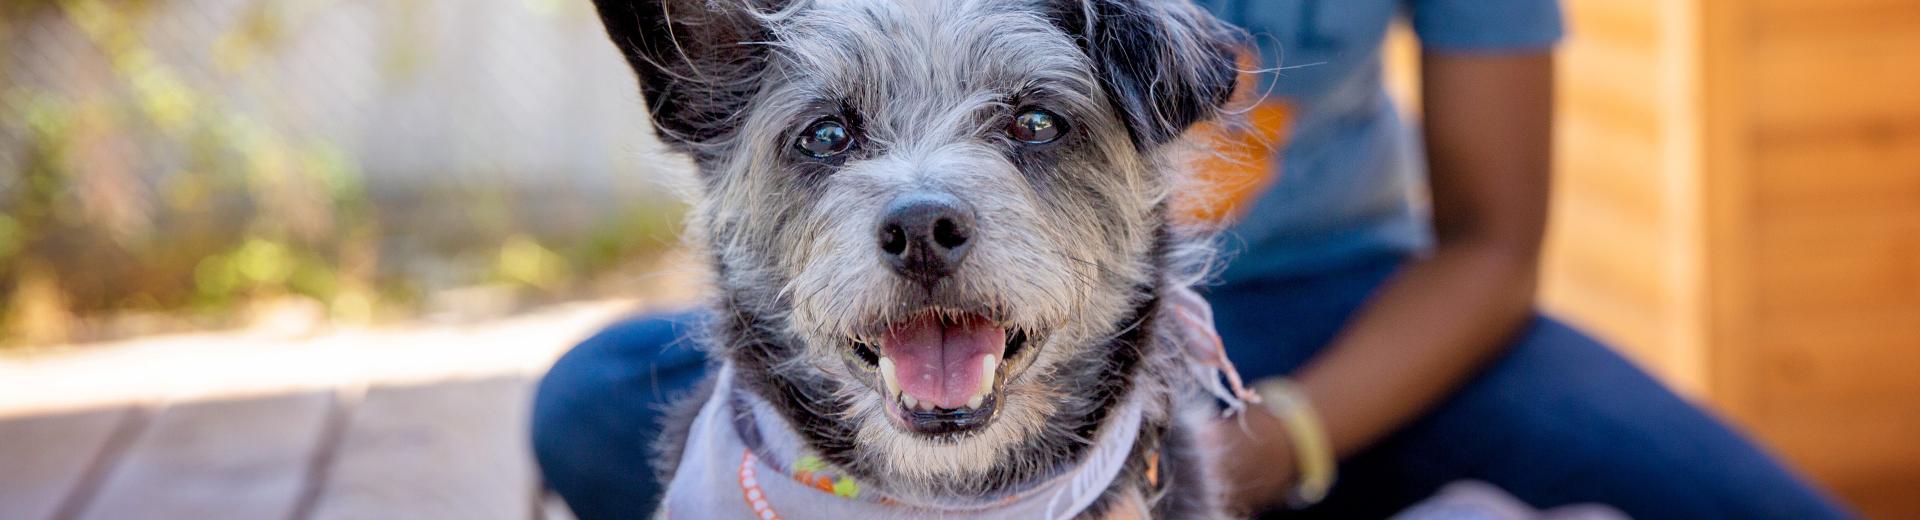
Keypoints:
(930, 218)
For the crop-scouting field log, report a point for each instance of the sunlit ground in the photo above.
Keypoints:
(293, 348)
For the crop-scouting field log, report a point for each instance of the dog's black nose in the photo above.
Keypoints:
(924, 236)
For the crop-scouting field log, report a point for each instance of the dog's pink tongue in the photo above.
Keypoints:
(939, 363)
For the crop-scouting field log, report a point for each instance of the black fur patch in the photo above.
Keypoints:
(697, 65)
(1161, 87)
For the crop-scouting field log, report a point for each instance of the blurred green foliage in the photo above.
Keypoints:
(88, 230)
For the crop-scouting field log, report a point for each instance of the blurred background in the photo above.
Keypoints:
(170, 163)
(328, 229)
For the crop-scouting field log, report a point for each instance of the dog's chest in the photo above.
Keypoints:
(722, 475)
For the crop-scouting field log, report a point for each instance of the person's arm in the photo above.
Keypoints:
(1488, 130)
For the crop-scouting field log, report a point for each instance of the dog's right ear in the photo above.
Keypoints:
(1165, 64)
(699, 63)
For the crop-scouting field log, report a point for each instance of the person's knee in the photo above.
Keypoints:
(558, 401)
(596, 412)
(617, 377)
(1563, 418)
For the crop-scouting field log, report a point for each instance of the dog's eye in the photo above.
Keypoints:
(824, 139)
(1036, 126)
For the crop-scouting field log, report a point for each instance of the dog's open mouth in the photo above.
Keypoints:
(943, 371)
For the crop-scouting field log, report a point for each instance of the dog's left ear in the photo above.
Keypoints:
(1165, 64)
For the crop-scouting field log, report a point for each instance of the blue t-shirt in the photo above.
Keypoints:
(1351, 184)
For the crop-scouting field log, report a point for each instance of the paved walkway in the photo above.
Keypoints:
(424, 422)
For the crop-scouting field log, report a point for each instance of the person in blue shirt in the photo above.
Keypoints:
(1388, 275)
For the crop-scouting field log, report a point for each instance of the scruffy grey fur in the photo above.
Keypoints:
(1072, 243)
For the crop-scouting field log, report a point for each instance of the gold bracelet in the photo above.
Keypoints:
(1313, 455)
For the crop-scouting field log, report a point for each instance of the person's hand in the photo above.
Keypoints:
(1255, 458)
(1255, 462)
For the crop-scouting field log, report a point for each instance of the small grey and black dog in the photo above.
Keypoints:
(940, 228)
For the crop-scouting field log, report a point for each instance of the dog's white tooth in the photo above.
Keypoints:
(976, 401)
(909, 401)
(886, 377)
(987, 367)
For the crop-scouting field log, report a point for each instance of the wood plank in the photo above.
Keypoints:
(45, 459)
(1869, 461)
(1724, 40)
(1622, 248)
(241, 459)
(1845, 262)
(1859, 169)
(1620, 104)
(1799, 19)
(1613, 168)
(1835, 80)
(1801, 8)
(1636, 23)
(1597, 74)
(1854, 361)
(447, 450)
(1884, 494)
(1864, 374)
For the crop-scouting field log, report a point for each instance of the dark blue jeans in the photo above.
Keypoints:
(1558, 419)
